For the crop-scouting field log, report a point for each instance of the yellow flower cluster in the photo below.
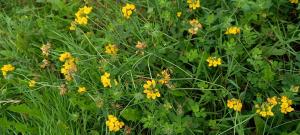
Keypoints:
(127, 10)
(81, 17)
(195, 26)
(235, 104)
(193, 4)
(265, 109)
(81, 90)
(178, 14)
(7, 68)
(114, 124)
(106, 80)
(150, 90)
(165, 77)
(214, 61)
(111, 49)
(285, 106)
(233, 30)
(294, 1)
(69, 66)
(32, 83)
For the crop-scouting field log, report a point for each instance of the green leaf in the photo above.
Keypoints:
(178, 93)
(131, 114)
(260, 125)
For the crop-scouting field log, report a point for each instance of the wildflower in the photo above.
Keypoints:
(286, 105)
(63, 89)
(127, 10)
(165, 77)
(140, 45)
(178, 14)
(73, 26)
(111, 49)
(114, 124)
(32, 83)
(106, 80)
(195, 26)
(193, 4)
(214, 61)
(81, 17)
(265, 109)
(7, 68)
(294, 88)
(294, 1)
(272, 100)
(234, 104)
(64, 56)
(81, 90)
(69, 66)
(45, 49)
(232, 30)
(45, 63)
(150, 90)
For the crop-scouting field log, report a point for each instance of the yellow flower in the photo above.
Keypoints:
(82, 20)
(265, 109)
(294, 1)
(150, 90)
(81, 90)
(114, 124)
(165, 77)
(193, 4)
(86, 10)
(272, 100)
(285, 106)
(111, 49)
(69, 66)
(178, 14)
(233, 30)
(213, 61)
(32, 83)
(81, 17)
(64, 56)
(127, 10)
(195, 26)
(106, 80)
(7, 68)
(235, 104)
(73, 26)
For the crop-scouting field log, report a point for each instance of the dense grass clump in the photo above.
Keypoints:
(149, 67)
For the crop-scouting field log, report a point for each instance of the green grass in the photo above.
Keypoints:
(262, 61)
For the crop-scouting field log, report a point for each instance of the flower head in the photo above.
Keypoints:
(234, 104)
(178, 14)
(114, 124)
(69, 66)
(294, 1)
(45, 49)
(285, 106)
(150, 89)
(127, 10)
(165, 77)
(7, 68)
(214, 61)
(193, 4)
(195, 26)
(81, 90)
(106, 80)
(32, 83)
(233, 30)
(111, 49)
(265, 109)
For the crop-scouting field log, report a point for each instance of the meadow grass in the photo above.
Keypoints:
(234, 69)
